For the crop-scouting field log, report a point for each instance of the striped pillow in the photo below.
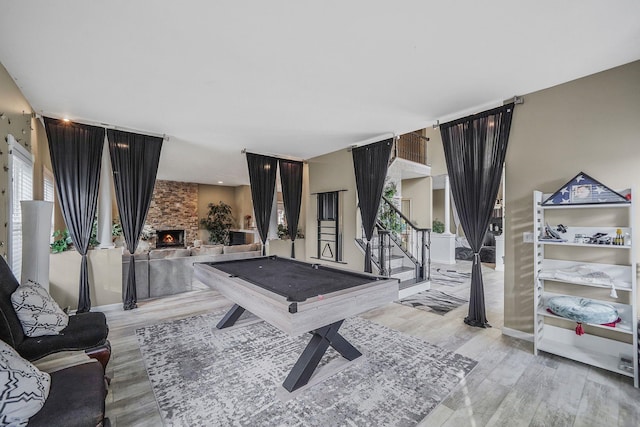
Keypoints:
(38, 313)
(25, 388)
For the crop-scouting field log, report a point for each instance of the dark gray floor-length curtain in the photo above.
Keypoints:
(76, 153)
(370, 163)
(291, 181)
(134, 160)
(262, 176)
(475, 149)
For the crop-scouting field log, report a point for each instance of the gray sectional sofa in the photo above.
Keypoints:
(162, 272)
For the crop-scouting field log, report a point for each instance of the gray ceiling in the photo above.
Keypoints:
(297, 78)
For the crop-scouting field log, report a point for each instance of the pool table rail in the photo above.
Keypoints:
(297, 318)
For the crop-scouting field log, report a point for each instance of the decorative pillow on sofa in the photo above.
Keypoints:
(38, 313)
(169, 253)
(159, 253)
(179, 253)
(240, 248)
(25, 388)
(214, 250)
(209, 250)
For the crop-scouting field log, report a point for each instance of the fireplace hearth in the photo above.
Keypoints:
(170, 239)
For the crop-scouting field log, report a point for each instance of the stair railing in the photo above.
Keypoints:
(380, 249)
(414, 241)
(384, 252)
(411, 146)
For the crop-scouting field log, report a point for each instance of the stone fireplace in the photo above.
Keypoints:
(169, 238)
(174, 206)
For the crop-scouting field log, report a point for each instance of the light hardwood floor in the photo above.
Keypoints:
(509, 386)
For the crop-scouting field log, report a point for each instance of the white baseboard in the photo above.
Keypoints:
(514, 333)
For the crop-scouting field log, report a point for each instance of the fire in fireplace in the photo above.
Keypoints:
(170, 239)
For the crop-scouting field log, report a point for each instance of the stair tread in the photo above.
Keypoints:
(401, 269)
(409, 283)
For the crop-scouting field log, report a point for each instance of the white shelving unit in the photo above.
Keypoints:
(558, 336)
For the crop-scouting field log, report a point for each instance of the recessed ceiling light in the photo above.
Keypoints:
(220, 182)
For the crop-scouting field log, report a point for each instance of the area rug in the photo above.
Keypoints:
(449, 277)
(233, 377)
(434, 300)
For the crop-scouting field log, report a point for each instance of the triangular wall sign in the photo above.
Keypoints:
(584, 190)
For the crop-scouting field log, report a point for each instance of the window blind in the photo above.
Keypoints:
(21, 170)
(49, 196)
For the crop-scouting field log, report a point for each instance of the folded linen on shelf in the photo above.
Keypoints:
(584, 275)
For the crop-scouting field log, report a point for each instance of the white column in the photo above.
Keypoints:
(447, 206)
(104, 200)
(500, 238)
(273, 222)
(36, 229)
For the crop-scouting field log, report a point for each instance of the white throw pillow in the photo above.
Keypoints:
(38, 313)
(239, 248)
(23, 388)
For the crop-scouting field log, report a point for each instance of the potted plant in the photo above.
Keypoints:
(62, 239)
(283, 233)
(437, 226)
(247, 222)
(386, 214)
(218, 222)
(117, 234)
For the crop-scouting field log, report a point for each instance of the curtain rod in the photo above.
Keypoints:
(390, 135)
(278, 156)
(325, 192)
(516, 100)
(104, 125)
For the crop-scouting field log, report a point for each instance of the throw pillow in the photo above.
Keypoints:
(583, 310)
(159, 253)
(179, 253)
(238, 248)
(38, 313)
(214, 250)
(23, 388)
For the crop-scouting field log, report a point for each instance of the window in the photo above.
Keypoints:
(49, 196)
(21, 188)
(282, 217)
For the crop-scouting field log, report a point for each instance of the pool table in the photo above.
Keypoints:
(298, 297)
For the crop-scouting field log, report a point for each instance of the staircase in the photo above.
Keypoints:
(401, 250)
(399, 270)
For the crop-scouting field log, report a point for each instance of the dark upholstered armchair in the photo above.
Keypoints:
(76, 398)
(86, 331)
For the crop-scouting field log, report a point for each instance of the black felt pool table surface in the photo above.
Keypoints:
(294, 280)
